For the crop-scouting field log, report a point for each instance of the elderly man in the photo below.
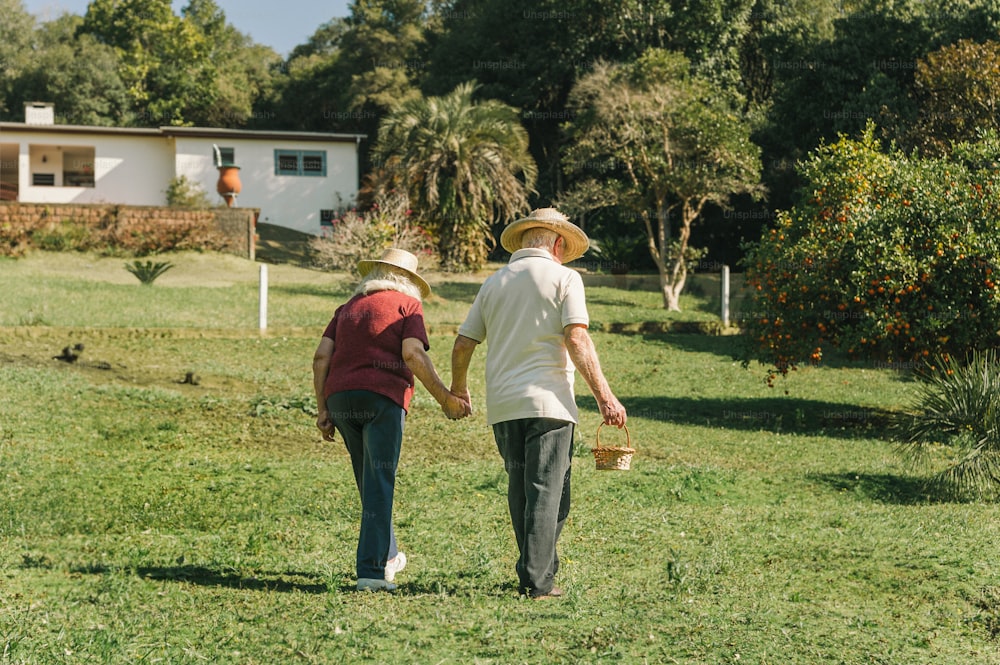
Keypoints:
(534, 313)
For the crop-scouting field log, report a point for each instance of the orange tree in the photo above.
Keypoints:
(886, 257)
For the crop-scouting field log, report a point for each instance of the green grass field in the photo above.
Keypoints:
(167, 497)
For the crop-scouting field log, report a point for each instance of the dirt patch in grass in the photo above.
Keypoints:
(115, 356)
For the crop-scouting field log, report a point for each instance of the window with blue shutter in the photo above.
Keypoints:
(300, 162)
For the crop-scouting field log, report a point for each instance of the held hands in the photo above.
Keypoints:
(456, 407)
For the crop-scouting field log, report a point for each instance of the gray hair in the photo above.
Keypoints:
(384, 278)
(539, 237)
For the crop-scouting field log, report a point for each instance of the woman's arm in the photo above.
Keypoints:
(423, 368)
(321, 367)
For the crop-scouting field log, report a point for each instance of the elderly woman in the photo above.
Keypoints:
(363, 373)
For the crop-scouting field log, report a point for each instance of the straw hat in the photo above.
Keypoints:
(575, 239)
(401, 260)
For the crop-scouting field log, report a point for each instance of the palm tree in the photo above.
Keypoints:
(466, 165)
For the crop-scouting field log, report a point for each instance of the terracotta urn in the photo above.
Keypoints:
(229, 184)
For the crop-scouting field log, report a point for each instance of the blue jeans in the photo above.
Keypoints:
(372, 427)
(537, 455)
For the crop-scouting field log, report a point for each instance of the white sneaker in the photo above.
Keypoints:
(371, 584)
(394, 565)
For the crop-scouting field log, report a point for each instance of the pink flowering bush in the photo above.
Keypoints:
(363, 235)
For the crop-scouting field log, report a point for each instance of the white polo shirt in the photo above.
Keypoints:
(523, 307)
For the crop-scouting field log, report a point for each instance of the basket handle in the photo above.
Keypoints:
(628, 436)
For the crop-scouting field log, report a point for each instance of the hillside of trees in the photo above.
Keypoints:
(764, 81)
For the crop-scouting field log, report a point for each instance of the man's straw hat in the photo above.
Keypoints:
(575, 239)
(401, 260)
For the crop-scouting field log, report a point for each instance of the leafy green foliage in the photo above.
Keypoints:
(381, 52)
(467, 167)
(162, 59)
(184, 193)
(530, 53)
(658, 143)
(181, 70)
(358, 235)
(796, 71)
(77, 72)
(888, 258)
(958, 90)
(958, 404)
(61, 237)
(16, 36)
(832, 82)
(352, 70)
(148, 271)
(616, 253)
(243, 73)
(139, 236)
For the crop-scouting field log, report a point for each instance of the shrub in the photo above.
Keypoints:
(958, 405)
(145, 237)
(62, 237)
(616, 253)
(148, 271)
(136, 236)
(889, 258)
(364, 235)
(183, 193)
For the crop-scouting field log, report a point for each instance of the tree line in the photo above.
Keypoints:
(748, 89)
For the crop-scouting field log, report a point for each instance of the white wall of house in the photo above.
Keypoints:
(292, 201)
(128, 169)
(135, 166)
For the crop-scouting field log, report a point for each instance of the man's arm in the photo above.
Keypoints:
(321, 367)
(461, 358)
(584, 355)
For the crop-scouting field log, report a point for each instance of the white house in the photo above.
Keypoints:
(298, 180)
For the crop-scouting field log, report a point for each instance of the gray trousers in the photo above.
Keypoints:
(537, 455)
(372, 427)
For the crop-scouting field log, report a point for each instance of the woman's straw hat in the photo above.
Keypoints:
(401, 260)
(575, 239)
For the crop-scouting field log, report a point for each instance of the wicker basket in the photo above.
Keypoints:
(611, 458)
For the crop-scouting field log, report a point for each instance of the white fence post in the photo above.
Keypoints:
(725, 296)
(262, 312)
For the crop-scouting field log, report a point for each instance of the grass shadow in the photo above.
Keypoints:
(727, 346)
(509, 590)
(884, 487)
(734, 347)
(286, 582)
(774, 414)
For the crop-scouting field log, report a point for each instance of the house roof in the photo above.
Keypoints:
(195, 132)
(78, 129)
(210, 132)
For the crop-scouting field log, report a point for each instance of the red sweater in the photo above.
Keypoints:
(368, 333)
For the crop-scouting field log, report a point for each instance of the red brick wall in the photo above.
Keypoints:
(225, 229)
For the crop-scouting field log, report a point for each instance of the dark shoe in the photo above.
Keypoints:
(371, 584)
(554, 592)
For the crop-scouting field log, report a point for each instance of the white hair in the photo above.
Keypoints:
(384, 278)
(539, 237)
